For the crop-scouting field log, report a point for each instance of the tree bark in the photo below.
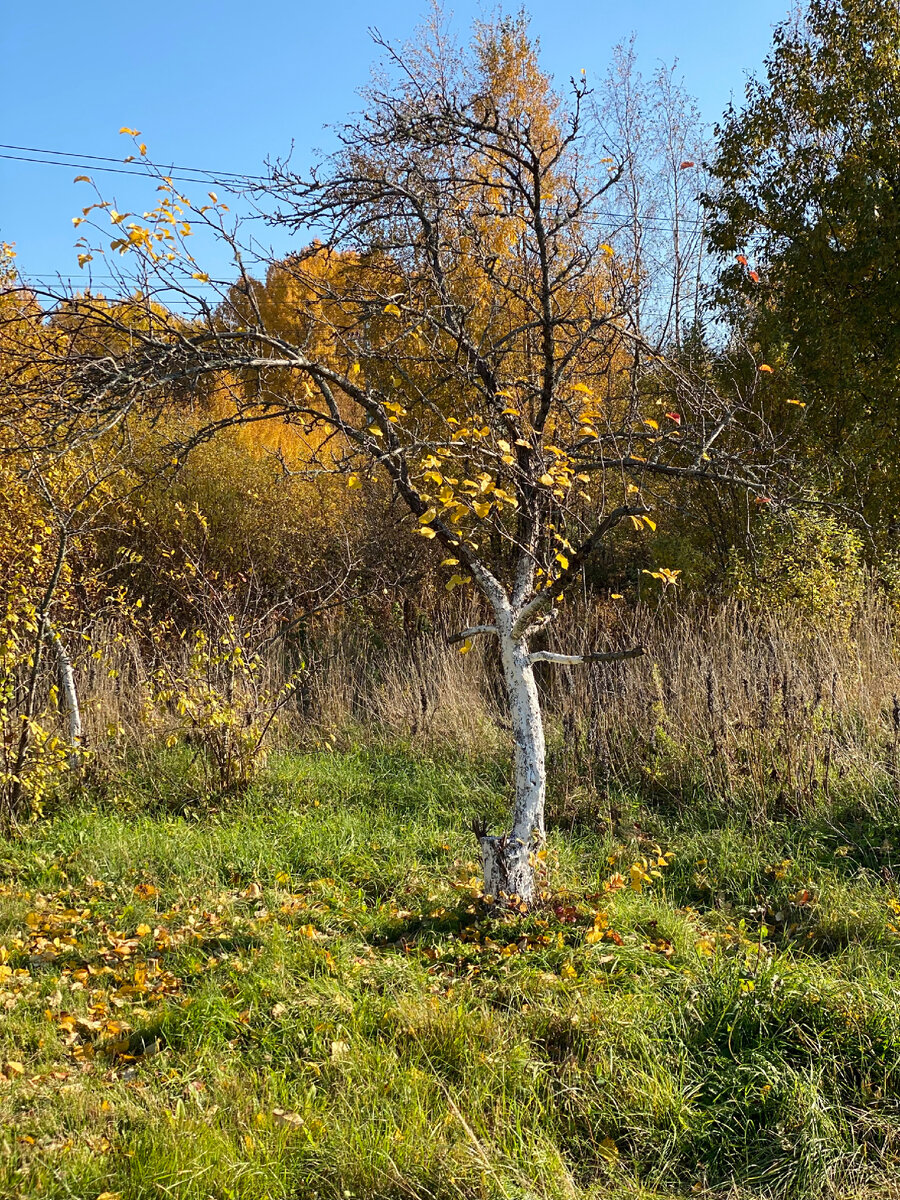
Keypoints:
(508, 858)
(69, 691)
(16, 793)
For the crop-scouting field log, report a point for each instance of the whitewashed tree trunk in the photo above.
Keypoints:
(508, 858)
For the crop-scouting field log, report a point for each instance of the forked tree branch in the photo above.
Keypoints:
(544, 600)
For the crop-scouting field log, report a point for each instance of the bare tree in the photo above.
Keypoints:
(656, 198)
(460, 325)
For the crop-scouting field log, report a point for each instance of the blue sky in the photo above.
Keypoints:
(224, 85)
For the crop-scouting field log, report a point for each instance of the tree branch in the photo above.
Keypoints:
(574, 660)
(545, 598)
(471, 632)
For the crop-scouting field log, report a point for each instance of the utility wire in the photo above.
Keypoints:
(102, 276)
(228, 179)
(107, 158)
(82, 166)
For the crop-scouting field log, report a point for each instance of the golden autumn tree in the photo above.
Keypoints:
(458, 328)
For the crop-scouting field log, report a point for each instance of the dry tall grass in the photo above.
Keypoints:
(753, 707)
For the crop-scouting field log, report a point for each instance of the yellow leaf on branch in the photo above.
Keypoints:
(456, 580)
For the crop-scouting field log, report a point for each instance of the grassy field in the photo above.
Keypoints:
(299, 994)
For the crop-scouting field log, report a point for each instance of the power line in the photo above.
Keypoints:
(158, 284)
(156, 287)
(82, 166)
(102, 275)
(228, 179)
(109, 159)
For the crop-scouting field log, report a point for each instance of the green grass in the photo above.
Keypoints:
(298, 994)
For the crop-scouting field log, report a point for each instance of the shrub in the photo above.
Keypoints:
(805, 560)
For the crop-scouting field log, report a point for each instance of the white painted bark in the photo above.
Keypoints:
(507, 859)
(573, 660)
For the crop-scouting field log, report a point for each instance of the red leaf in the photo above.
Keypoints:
(754, 276)
(742, 259)
(762, 500)
(686, 163)
(676, 417)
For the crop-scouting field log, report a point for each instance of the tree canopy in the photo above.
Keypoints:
(805, 220)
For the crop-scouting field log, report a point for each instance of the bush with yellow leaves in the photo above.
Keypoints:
(217, 698)
(34, 757)
(808, 561)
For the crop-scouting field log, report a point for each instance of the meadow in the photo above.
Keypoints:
(296, 989)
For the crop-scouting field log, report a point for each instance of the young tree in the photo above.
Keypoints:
(51, 502)
(461, 327)
(657, 196)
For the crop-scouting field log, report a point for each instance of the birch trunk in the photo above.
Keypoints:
(508, 858)
(69, 691)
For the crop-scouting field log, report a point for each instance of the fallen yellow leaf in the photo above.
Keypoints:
(287, 1118)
